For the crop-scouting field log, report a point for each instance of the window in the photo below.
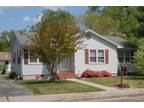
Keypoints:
(6, 62)
(32, 58)
(127, 56)
(120, 56)
(93, 56)
(100, 56)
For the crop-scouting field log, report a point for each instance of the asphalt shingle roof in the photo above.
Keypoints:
(24, 39)
(122, 42)
(5, 56)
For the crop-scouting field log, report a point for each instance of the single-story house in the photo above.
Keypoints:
(100, 53)
(5, 58)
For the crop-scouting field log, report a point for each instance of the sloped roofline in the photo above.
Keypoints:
(102, 37)
(98, 35)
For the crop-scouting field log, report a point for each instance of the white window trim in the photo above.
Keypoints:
(96, 63)
(89, 57)
(104, 57)
(38, 62)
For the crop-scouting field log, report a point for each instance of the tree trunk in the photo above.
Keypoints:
(53, 73)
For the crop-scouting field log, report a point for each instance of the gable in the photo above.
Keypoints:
(91, 40)
(114, 40)
(100, 37)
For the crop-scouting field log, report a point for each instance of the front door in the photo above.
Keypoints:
(64, 65)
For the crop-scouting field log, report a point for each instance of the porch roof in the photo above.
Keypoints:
(121, 42)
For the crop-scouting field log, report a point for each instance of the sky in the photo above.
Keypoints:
(16, 18)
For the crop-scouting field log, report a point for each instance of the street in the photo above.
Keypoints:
(122, 99)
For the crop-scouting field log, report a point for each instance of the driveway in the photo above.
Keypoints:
(10, 88)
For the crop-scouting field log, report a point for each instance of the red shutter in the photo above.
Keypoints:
(106, 56)
(25, 56)
(86, 56)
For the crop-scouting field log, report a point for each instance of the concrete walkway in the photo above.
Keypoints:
(93, 84)
(75, 97)
(10, 88)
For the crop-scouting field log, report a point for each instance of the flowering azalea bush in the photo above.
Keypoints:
(90, 74)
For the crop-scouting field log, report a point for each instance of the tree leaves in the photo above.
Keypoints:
(55, 37)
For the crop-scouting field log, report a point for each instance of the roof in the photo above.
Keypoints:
(121, 42)
(24, 39)
(115, 40)
(5, 56)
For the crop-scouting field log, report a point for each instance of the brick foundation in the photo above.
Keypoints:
(61, 75)
(66, 74)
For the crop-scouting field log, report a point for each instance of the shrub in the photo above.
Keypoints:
(106, 73)
(3, 68)
(99, 74)
(12, 75)
(89, 74)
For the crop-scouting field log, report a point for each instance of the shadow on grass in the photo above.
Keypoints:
(42, 82)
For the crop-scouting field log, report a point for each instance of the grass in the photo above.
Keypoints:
(133, 81)
(56, 87)
(6, 75)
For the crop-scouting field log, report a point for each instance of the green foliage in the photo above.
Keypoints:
(5, 38)
(99, 23)
(12, 75)
(55, 37)
(139, 59)
(3, 68)
(126, 18)
(126, 22)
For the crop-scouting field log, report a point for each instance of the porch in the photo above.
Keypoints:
(125, 57)
(66, 68)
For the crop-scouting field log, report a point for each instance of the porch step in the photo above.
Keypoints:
(66, 74)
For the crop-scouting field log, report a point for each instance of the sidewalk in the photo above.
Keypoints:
(75, 97)
(93, 84)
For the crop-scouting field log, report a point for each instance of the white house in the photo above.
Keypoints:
(100, 53)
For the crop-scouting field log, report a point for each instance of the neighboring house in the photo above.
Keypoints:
(5, 58)
(99, 53)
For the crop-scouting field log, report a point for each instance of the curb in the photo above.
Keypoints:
(77, 97)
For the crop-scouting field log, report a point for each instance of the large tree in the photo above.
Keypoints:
(126, 19)
(55, 38)
(5, 38)
(99, 23)
(138, 61)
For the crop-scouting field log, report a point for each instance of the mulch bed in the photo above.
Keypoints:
(122, 86)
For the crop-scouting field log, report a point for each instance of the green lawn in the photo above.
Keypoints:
(6, 75)
(135, 82)
(56, 87)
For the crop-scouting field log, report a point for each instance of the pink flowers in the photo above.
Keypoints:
(37, 77)
(89, 74)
